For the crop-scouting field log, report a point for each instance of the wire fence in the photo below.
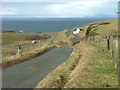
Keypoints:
(8, 51)
(110, 44)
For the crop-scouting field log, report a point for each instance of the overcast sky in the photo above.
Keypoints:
(58, 8)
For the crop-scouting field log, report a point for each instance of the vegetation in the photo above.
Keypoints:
(15, 38)
(15, 59)
(90, 65)
(92, 68)
(103, 30)
(91, 31)
(10, 44)
(58, 78)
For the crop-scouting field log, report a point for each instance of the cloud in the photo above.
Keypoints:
(78, 8)
(71, 9)
(56, 0)
(39, 0)
(8, 13)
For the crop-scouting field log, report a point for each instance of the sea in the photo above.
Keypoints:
(44, 25)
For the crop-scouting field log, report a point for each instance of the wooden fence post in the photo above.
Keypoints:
(108, 42)
(112, 48)
(116, 56)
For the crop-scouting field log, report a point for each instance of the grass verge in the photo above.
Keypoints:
(98, 71)
(87, 67)
(25, 56)
(59, 77)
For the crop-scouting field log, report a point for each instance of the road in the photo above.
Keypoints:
(29, 73)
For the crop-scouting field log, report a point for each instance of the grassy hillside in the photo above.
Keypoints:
(105, 28)
(15, 38)
(87, 67)
(22, 38)
(91, 65)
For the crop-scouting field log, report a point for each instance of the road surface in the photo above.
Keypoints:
(29, 73)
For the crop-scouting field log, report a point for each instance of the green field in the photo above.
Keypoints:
(11, 41)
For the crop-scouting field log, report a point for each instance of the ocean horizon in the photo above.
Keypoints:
(43, 25)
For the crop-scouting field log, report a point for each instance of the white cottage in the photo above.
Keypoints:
(76, 31)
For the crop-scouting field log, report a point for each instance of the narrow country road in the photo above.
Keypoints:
(29, 73)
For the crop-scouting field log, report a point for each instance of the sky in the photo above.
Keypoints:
(59, 8)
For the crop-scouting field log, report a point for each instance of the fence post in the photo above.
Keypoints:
(112, 47)
(108, 42)
(19, 50)
(116, 56)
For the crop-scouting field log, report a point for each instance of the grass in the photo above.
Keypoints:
(12, 50)
(110, 29)
(89, 65)
(58, 77)
(94, 69)
(99, 72)
(12, 40)
(15, 38)
(15, 59)
(61, 37)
